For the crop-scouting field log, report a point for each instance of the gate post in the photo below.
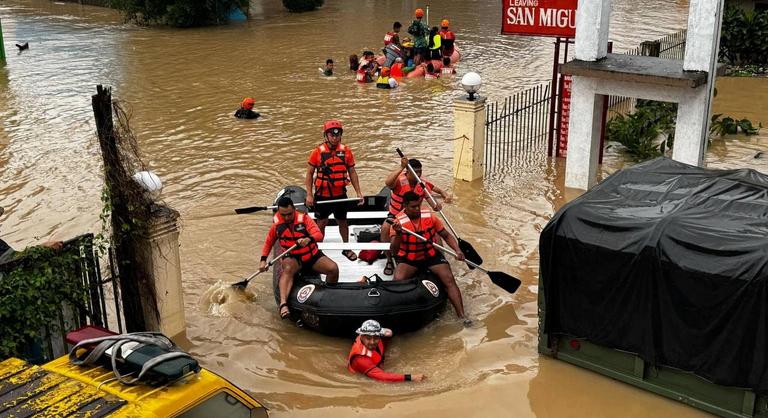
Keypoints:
(469, 131)
(161, 260)
(2, 45)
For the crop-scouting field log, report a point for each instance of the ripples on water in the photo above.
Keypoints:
(182, 87)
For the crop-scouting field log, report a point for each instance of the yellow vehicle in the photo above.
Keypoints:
(60, 388)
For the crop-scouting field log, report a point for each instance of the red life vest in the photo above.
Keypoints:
(412, 248)
(448, 38)
(332, 174)
(447, 70)
(288, 234)
(361, 76)
(388, 38)
(397, 70)
(431, 76)
(401, 187)
(359, 349)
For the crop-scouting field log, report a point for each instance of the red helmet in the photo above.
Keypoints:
(419, 13)
(330, 124)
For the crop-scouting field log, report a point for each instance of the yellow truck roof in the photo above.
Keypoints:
(61, 389)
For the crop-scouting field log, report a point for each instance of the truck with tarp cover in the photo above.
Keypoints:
(658, 277)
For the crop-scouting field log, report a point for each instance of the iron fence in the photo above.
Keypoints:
(518, 124)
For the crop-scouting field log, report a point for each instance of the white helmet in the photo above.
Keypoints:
(373, 328)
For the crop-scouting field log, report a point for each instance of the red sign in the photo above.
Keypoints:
(539, 17)
(565, 115)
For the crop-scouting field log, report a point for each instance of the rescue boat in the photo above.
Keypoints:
(338, 309)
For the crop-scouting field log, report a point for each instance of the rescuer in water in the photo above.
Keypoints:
(367, 353)
(246, 109)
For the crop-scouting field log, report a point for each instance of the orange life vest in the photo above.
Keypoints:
(359, 349)
(412, 248)
(332, 172)
(288, 234)
(402, 186)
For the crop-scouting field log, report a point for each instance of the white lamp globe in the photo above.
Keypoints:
(471, 83)
(150, 182)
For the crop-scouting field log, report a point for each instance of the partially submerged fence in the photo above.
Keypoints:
(516, 125)
(93, 298)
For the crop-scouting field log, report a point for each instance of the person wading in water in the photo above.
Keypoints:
(367, 353)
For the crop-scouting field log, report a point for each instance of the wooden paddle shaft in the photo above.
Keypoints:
(272, 261)
(441, 248)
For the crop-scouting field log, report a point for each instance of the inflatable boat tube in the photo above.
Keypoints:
(338, 309)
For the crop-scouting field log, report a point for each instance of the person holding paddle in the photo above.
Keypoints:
(331, 167)
(295, 228)
(400, 181)
(414, 254)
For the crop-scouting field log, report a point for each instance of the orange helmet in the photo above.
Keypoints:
(384, 71)
(330, 124)
(247, 103)
(419, 13)
(444, 23)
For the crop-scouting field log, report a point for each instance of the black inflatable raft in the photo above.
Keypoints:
(339, 309)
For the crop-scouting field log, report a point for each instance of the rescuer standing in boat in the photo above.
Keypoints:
(367, 353)
(331, 167)
(414, 254)
(290, 227)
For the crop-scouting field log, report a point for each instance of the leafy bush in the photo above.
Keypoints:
(744, 36)
(179, 13)
(639, 132)
(302, 5)
(32, 290)
(729, 126)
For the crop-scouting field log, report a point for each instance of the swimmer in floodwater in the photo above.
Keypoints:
(246, 109)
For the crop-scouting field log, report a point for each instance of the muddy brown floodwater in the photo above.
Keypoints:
(184, 85)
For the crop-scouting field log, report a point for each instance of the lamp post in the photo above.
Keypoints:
(471, 83)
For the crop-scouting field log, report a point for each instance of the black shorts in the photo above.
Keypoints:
(425, 264)
(305, 267)
(339, 210)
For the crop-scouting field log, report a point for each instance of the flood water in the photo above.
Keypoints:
(183, 86)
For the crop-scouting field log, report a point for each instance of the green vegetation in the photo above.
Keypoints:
(639, 131)
(32, 290)
(722, 126)
(178, 13)
(744, 39)
(649, 131)
(302, 5)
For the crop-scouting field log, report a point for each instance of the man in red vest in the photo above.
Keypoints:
(331, 167)
(400, 181)
(367, 353)
(413, 254)
(291, 227)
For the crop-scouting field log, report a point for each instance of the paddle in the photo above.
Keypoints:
(244, 283)
(253, 209)
(469, 251)
(499, 278)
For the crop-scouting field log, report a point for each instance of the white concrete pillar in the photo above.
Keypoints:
(584, 134)
(702, 40)
(469, 147)
(161, 261)
(692, 127)
(592, 21)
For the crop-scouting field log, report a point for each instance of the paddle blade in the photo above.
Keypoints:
(251, 209)
(241, 285)
(504, 281)
(470, 253)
